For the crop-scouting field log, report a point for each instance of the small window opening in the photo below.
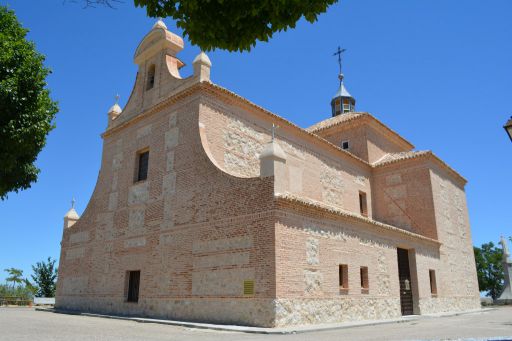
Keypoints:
(343, 276)
(345, 145)
(133, 286)
(142, 166)
(363, 208)
(151, 77)
(433, 285)
(363, 272)
(347, 105)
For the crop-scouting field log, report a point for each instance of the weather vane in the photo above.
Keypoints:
(73, 203)
(117, 99)
(338, 53)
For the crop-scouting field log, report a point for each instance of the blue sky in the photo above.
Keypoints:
(438, 72)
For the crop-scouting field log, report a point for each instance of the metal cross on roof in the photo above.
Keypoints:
(338, 53)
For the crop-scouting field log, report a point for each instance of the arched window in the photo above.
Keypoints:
(151, 77)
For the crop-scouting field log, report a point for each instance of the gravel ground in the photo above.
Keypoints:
(28, 324)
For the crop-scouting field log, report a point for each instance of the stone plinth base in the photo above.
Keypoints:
(505, 301)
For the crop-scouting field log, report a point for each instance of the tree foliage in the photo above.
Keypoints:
(29, 287)
(233, 25)
(15, 276)
(489, 269)
(22, 292)
(45, 277)
(26, 109)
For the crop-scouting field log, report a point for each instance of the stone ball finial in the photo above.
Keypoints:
(202, 58)
(202, 66)
(72, 214)
(160, 24)
(115, 109)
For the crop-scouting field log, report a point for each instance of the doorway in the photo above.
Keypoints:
(133, 286)
(404, 278)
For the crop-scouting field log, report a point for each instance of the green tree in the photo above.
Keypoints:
(45, 277)
(30, 287)
(233, 25)
(489, 269)
(15, 276)
(26, 109)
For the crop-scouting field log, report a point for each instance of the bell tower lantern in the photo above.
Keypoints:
(342, 102)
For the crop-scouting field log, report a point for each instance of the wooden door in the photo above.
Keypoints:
(404, 277)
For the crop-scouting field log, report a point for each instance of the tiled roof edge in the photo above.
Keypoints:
(360, 116)
(423, 154)
(216, 87)
(305, 202)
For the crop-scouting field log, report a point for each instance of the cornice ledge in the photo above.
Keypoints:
(360, 118)
(221, 91)
(173, 98)
(428, 155)
(313, 204)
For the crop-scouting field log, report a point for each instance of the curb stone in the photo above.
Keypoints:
(278, 330)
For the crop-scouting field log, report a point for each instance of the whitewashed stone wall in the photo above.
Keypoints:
(448, 304)
(333, 187)
(256, 312)
(223, 273)
(236, 143)
(169, 179)
(456, 251)
(291, 312)
(243, 145)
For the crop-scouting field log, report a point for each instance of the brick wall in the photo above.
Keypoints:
(195, 232)
(403, 197)
(236, 136)
(367, 139)
(204, 221)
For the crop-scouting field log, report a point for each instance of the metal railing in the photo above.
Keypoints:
(15, 300)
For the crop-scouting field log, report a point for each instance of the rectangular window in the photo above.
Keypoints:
(142, 165)
(363, 271)
(343, 276)
(151, 77)
(362, 204)
(345, 145)
(433, 285)
(133, 286)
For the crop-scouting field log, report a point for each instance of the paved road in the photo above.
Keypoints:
(27, 324)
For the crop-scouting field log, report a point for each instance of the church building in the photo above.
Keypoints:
(210, 208)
